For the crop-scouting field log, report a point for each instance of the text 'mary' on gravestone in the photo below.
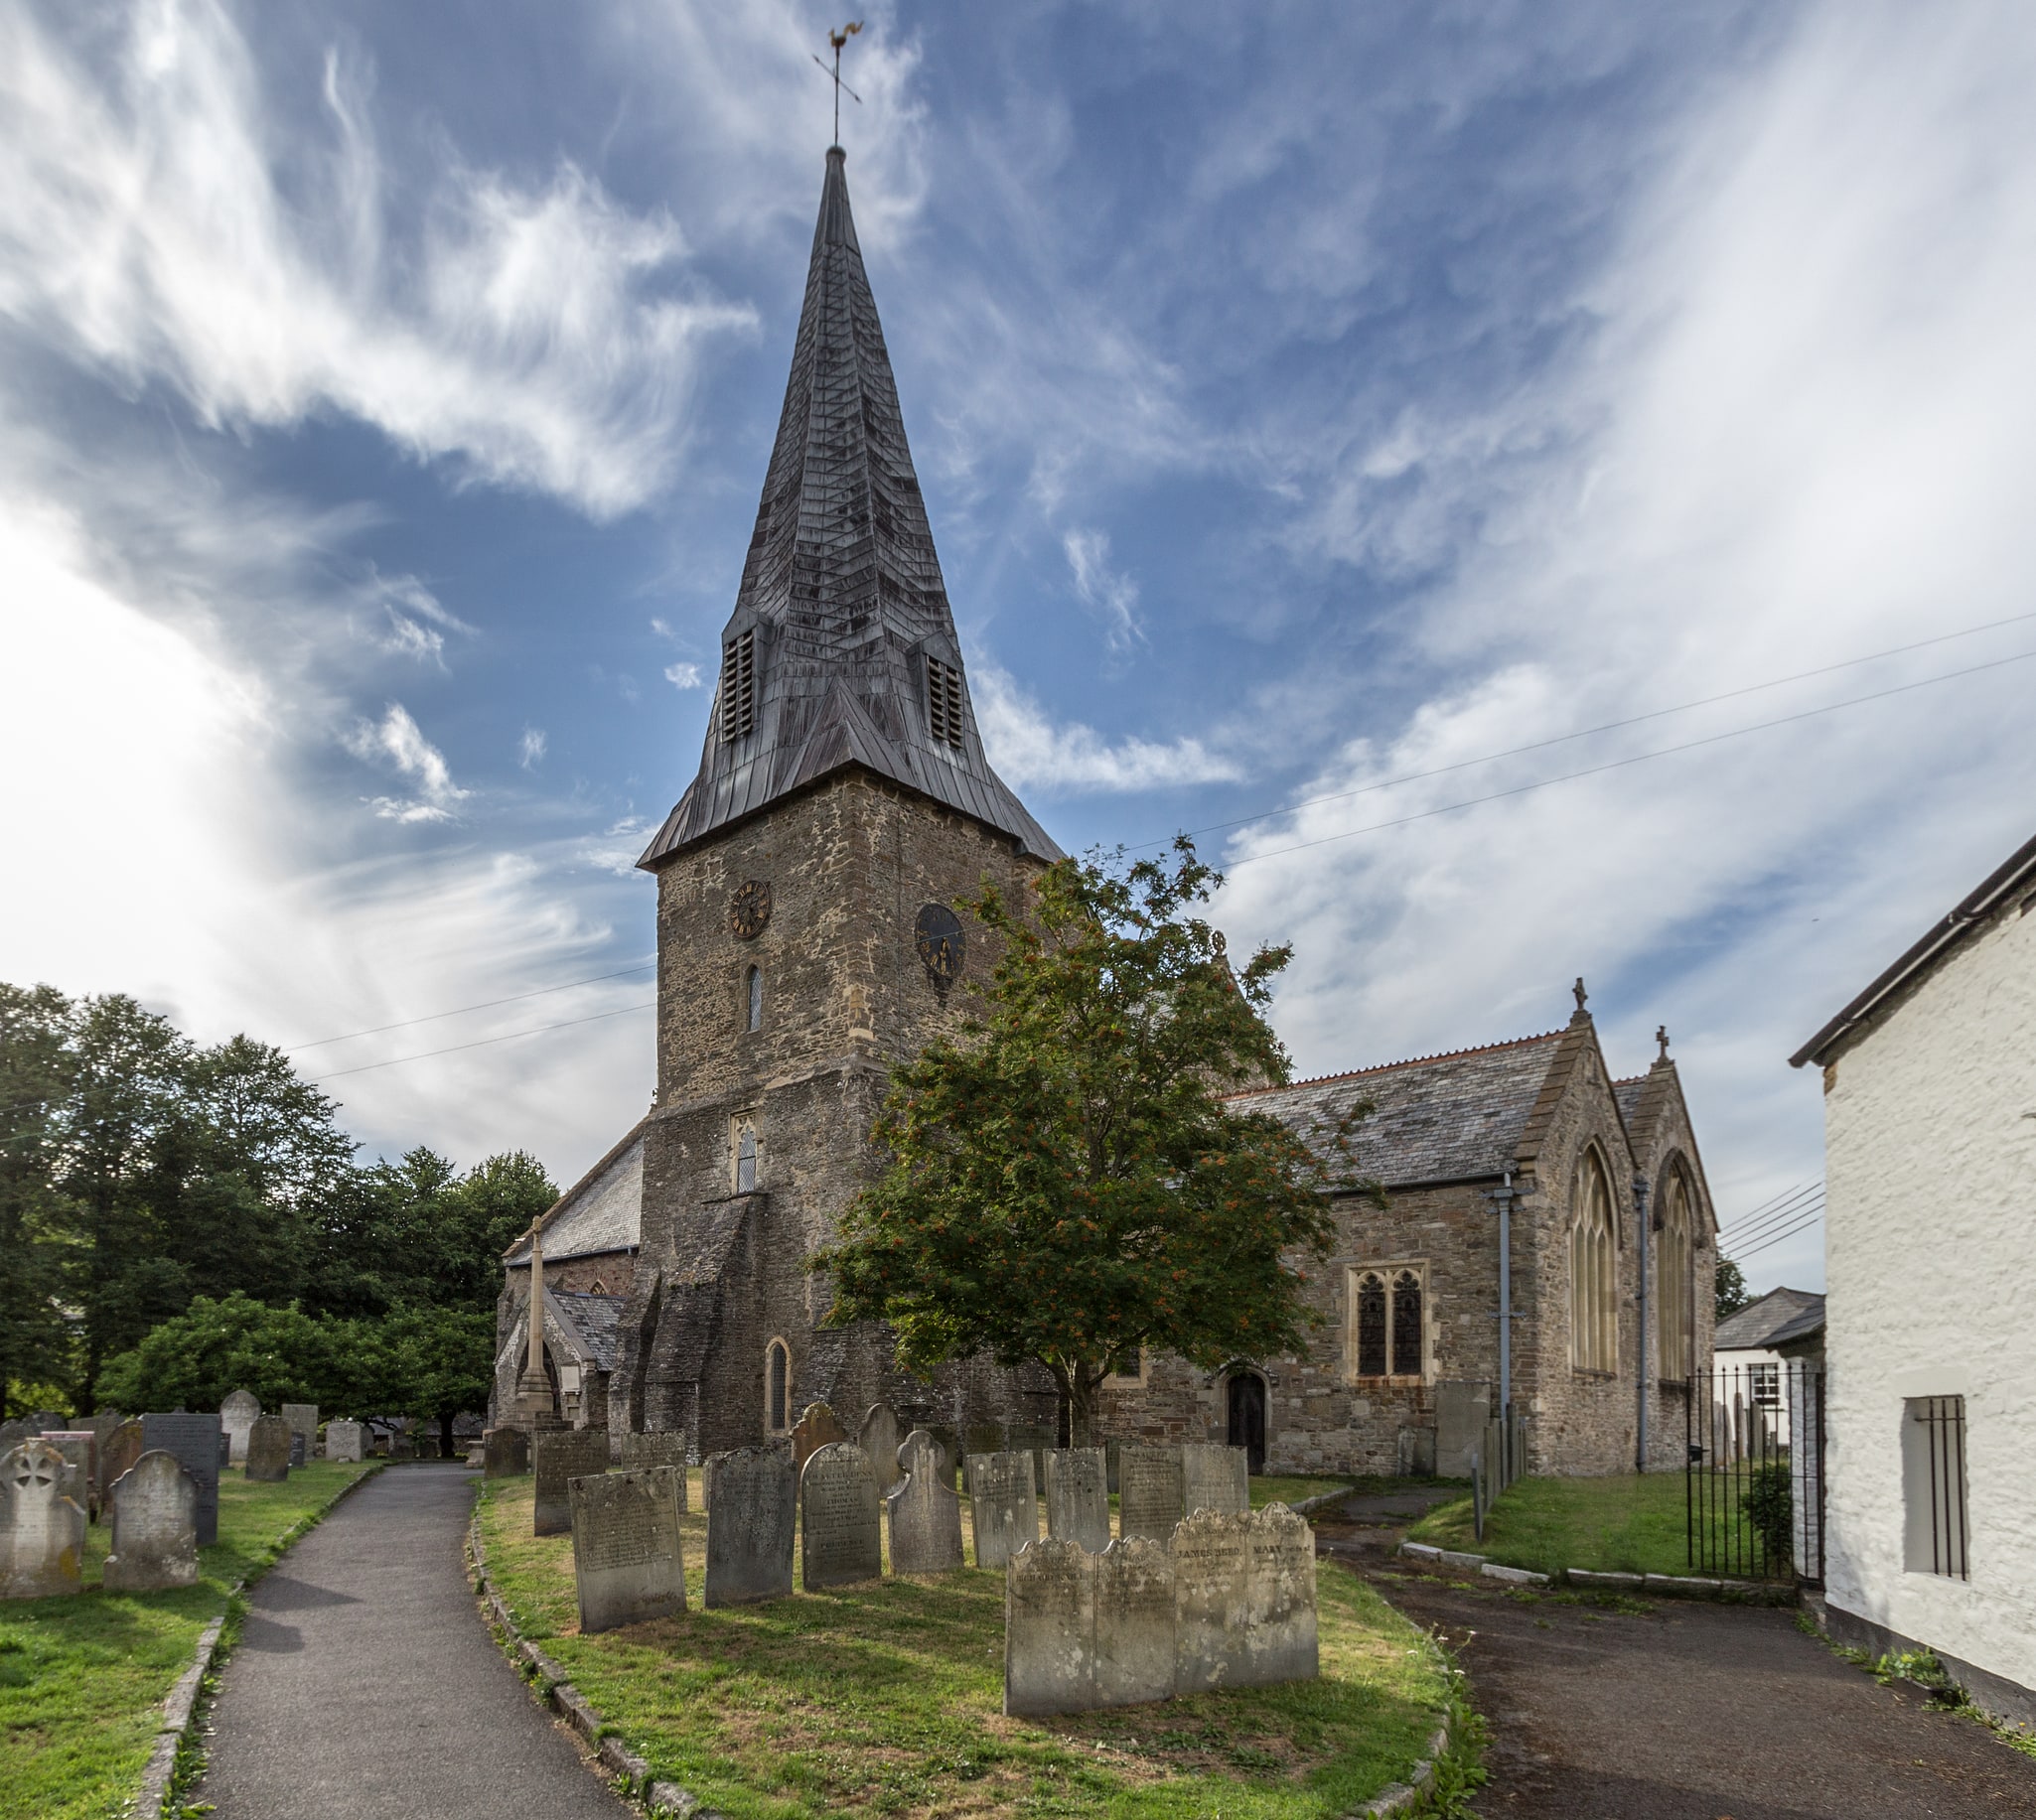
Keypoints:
(1215, 1477)
(556, 1456)
(660, 1448)
(840, 1531)
(1148, 1491)
(1003, 1507)
(154, 1527)
(237, 1417)
(343, 1442)
(1078, 1499)
(751, 1518)
(879, 1439)
(195, 1440)
(1050, 1629)
(819, 1427)
(1280, 1642)
(42, 1530)
(268, 1450)
(627, 1563)
(505, 1453)
(925, 1514)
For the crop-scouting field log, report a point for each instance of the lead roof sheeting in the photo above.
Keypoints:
(605, 1212)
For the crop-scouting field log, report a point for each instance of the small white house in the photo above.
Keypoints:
(1929, 1337)
(1751, 1350)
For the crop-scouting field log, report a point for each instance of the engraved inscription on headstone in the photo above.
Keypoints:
(1003, 1507)
(628, 1562)
(505, 1453)
(926, 1515)
(840, 1532)
(42, 1531)
(1134, 1623)
(268, 1450)
(154, 1527)
(1148, 1491)
(751, 1516)
(819, 1427)
(1280, 1642)
(195, 1440)
(298, 1456)
(342, 1441)
(1212, 1562)
(303, 1419)
(557, 1455)
(662, 1447)
(1077, 1502)
(1050, 1629)
(237, 1417)
(879, 1438)
(1215, 1477)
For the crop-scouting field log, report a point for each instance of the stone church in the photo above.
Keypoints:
(807, 940)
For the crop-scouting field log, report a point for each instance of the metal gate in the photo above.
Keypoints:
(1752, 1484)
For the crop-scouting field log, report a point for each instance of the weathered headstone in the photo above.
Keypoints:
(1050, 1629)
(505, 1453)
(1134, 1623)
(983, 1437)
(343, 1442)
(1462, 1408)
(268, 1450)
(879, 1438)
(154, 1527)
(556, 1456)
(237, 1417)
(1111, 1451)
(196, 1441)
(1078, 1499)
(1030, 1438)
(303, 1419)
(1148, 1491)
(120, 1450)
(79, 1448)
(819, 1427)
(925, 1514)
(751, 1518)
(949, 1440)
(1280, 1642)
(1215, 1477)
(226, 1450)
(840, 1532)
(1212, 1565)
(42, 1531)
(298, 1456)
(627, 1563)
(662, 1447)
(12, 1433)
(1003, 1509)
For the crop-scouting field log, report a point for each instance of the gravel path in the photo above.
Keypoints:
(365, 1684)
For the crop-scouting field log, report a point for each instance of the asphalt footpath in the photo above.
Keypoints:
(366, 1685)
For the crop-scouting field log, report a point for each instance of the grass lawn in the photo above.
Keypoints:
(1631, 1524)
(83, 1679)
(887, 1699)
(1271, 1488)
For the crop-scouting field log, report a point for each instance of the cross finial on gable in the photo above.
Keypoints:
(1581, 995)
(1662, 1036)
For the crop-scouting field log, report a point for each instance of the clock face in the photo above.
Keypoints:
(749, 909)
(938, 937)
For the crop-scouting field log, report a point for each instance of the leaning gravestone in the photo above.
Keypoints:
(926, 1515)
(343, 1442)
(154, 1527)
(879, 1439)
(665, 1448)
(303, 1419)
(237, 1417)
(1212, 1568)
(558, 1454)
(1280, 1642)
(1134, 1623)
(42, 1531)
(842, 1534)
(121, 1450)
(1003, 1509)
(1050, 1629)
(751, 1518)
(79, 1448)
(196, 1441)
(505, 1453)
(1078, 1499)
(627, 1563)
(1215, 1477)
(819, 1427)
(268, 1450)
(1148, 1491)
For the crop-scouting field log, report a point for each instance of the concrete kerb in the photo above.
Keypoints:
(631, 1771)
(182, 1702)
(1660, 1585)
(1402, 1795)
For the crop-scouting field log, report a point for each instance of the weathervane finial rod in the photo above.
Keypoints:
(839, 41)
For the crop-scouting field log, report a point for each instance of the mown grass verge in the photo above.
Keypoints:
(887, 1699)
(83, 1678)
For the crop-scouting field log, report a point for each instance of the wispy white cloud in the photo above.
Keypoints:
(397, 740)
(1107, 592)
(1032, 752)
(531, 747)
(684, 675)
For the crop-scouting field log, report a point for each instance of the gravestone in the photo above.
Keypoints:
(120, 1450)
(197, 1442)
(237, 1417)
(12, 1433)
(925, 1514)
(1078, 1499)
(268, 1450)
(949, 1440)
(819, 1427)
(1134, 1623)
(627, 1563)
(750, 1522)
(1462, 1408)
(154, 1527)
(983, 1437)
(303, 1419)
(505, 1453)
(1050, 1629)
(879, 1438)
(1215, 1477)
(840, 1532)
(42, 1531)
(1030, 1438)
(1003, 1507)
(556, 1456)
(298, 1456)
(1212, 1555)
(1111, 1451)
(343, 1442)
(79, 1448)
(1148, 1491)
(1279, 1640)
(664, 1448)
(225, 1451)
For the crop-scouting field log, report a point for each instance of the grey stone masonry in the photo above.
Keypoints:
(505, 1453)
(154, 1527)
(1148, 1491)
(556, 1456)
(879, 1438)
(303, 1419)
(662, 1448)
(1003, 1507)
(120, 1450)
(840, 1532)
(343, 1442)
(1078, 1499)
(1134, 1623)
(268, 1450)
(751, 1516)
(237, 1417)
(42, 1531)
(196, 1441)
(628, 1565)
(1215, 1477)
(1050, 1629)
(925, 1514)
(819, 1427)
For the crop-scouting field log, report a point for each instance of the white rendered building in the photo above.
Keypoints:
(1930, 1136)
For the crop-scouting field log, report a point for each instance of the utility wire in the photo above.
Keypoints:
(484, 1041)
(1788, 1232)
(1772, 1200)
(1794, 1205)
(1733, 1241)
(461, 1011)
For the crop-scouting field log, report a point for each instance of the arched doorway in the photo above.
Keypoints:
(1247, 1417)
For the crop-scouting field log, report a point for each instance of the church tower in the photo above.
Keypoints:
(806, 937)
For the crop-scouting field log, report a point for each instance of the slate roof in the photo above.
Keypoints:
(842, 589)
(602, 1211)
(1780, 1315)
(1627, 1093)
(594, 1320)
(1440, 1118)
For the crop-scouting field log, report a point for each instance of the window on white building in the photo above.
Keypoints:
(1767, 1385)
(1936, 1534)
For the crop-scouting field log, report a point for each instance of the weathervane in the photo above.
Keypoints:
(838, 39)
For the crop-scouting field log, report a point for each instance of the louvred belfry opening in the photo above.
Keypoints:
(842, 607)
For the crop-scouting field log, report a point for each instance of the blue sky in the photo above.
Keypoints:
(1304, 397)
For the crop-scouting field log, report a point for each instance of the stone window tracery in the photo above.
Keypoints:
(745, 1155)
(1675, 1279)
(1388, 1315)
(778, 1387)
(1593, 1271)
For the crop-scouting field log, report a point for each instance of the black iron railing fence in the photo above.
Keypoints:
(1754, 1479)
(1496, 1460)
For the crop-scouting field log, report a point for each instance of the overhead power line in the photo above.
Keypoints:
(460, 1011)
(1749, 1241)
(1796, 1203)
(1773, 1200)
(1787, 1233)
(482, 1042)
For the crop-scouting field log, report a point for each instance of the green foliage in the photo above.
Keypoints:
(1728, 1289)
(1074, 1138)
(1769, 1504)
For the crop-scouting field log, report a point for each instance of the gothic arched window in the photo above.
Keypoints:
(1406, 1324)
(1389, 1312)
(745, 1158)
(1675, 1280)
(1593, 1273)
(778, 1387)
(753, 998)
(1371, 1324)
